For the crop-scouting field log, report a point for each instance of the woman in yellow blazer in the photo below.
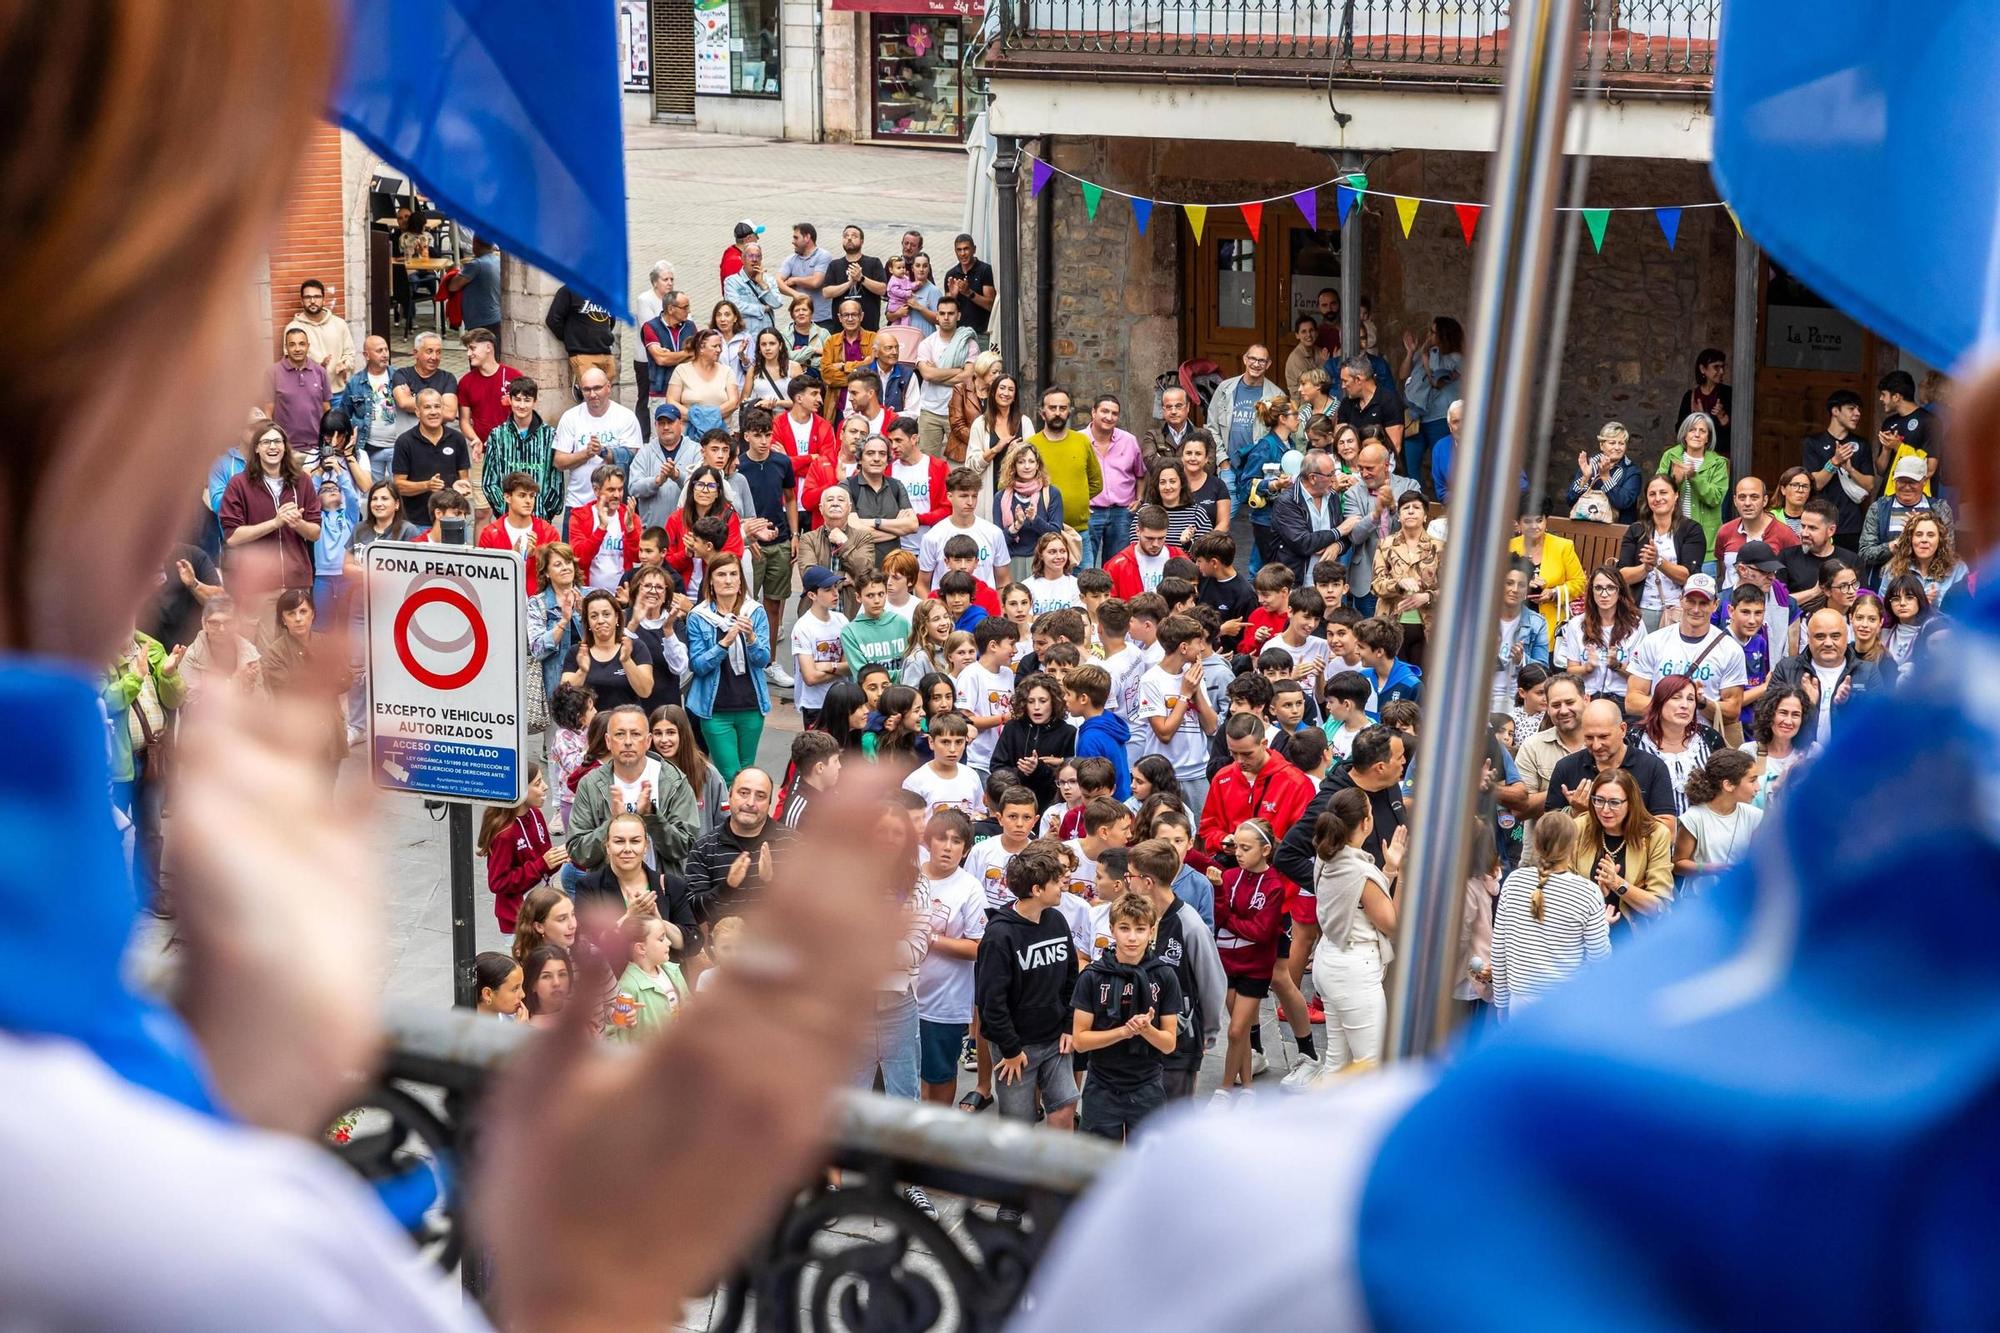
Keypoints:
(1556, 568)
(842, 354)
(1628, 852)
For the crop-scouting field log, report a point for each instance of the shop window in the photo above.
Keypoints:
(920, 77)
(736, 48)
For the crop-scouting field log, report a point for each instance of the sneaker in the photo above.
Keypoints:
(1316, 1012)
(921, 1201)
(1301, 1076)
(778, 676)
(968, 1058)
(1259, 1064)
(1219, 1099)
(1282, 1016)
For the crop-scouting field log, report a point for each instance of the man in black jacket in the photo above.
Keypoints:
(1375, 765)
(1829, 671)
(1022, 980)
(1306, 518)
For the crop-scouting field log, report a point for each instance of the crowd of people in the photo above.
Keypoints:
(1152, 693)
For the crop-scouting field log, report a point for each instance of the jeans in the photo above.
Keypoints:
(1349, 982)
(1194, 793)
(1263, 547)
(1417, 452)
(732, 742)
(894, 1051)
(1108, 533)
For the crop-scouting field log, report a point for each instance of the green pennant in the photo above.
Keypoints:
(1595, 219)
(1091, 194)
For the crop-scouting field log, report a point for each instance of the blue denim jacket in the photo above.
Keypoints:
(706, 654)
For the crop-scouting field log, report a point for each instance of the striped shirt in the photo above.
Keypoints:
(1530, 956)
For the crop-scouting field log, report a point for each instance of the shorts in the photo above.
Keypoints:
(1255, 988)
(938, 1048)
(1304, 907)
(1113, 1115)
(1046, 1073)
(771, 572)
(1178, 1083)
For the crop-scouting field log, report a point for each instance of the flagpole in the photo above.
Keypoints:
(1511, 296)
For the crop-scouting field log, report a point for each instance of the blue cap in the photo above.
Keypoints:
(666, 412)
(818, 577)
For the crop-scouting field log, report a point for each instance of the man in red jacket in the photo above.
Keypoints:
(605, 535)
(519, 529)
(1136, 569)
(1259, 783)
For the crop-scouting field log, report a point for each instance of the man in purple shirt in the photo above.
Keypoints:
(296, 394)
(1118, 458)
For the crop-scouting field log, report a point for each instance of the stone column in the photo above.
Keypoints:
(526, 343)
(1746, 342)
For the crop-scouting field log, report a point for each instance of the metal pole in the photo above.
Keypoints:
(1007, 190)
(1743, 360)
(1511, 292)
(1350, 272)
(458, 824)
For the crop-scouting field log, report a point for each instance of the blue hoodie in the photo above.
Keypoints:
(1405, 682)
(1105, 736)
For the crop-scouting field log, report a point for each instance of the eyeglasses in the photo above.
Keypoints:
(1607, 802)
(1847, 585)
(704, 485)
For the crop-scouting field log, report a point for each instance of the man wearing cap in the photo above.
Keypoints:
(732, 254)
(1693, 648)
(1759, 566)
(1887, 515)
(523, 443)
(1753, 523)
(816, 647)
(655, 485)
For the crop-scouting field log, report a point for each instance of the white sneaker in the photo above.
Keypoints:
(778, 676)
(1302, 1075)
(1219, 1099)
(1259, 1064)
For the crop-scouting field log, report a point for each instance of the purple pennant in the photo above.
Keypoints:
(1040, 176)
(1308, 202)
(1142, 213)
(1343, 198)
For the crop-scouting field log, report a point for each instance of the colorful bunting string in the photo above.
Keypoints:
(1348, 190)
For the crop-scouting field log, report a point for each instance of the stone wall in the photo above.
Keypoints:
(1639, 311)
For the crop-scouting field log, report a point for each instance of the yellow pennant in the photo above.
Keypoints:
(1732, 219)
(1197, 214)
(1406, 213)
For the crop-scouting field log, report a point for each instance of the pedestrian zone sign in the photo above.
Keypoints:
(447, 642)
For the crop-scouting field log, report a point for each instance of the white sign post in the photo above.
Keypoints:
(447, 637)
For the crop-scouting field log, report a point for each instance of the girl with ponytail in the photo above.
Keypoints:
(1550, 920)
(1357, 917)
(1716, 827)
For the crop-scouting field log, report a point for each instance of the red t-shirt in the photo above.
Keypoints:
(1275, 621)
(732, 262)
(485, 396)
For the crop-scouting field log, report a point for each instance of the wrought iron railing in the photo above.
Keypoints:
(861, 1255)
(1667, 38)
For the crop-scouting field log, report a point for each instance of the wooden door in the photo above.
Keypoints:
(1810, 349)
(1238, 289)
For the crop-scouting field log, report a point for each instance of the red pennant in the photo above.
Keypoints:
(1468, 218)
(1254, 215)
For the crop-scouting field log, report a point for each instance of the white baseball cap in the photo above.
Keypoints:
(1699, 585)
(1911, 468)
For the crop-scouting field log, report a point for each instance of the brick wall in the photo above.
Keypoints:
(310, 241)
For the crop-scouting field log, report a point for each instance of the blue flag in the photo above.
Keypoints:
(1866, 164)
(506, 114)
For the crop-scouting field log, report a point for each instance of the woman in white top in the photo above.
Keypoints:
(1549, 922)
(1049, 579)
(997, 428)
(1598, 642)
(727, 320)
(768, 384)
(930, 626)
(1775, 745)
(1715, 828)
(1357, 918)
(1659, 552)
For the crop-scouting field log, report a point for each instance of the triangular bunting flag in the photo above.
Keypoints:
(1038, 177)
(1595, 218)
(1468, 218)
(1253, 217)
(1091, 195)
(1197, 214)
(1406, 213)
(1670, 223)
(1308, 202)
(1343, 198)
(1357, 182)
(1734, 221)
(1142, 213)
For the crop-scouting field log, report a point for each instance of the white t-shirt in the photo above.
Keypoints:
(1076, 915)
(1150, 568)
(1721, 840)
(1829, 678)
(932, 398)
(383, 427)
(985, 693)
(906, 612)
(916, 479)
(1125, 667)
(992, 548)
(1665, 653)
(818, 641)
(1570, 647)
(608, 565)
(617, 428)
(1313, 652)
(1341, 740)
(987, 864)
(961, 791)
(1659, 591)
(1504, 673)
(1054, 594)
(1187, 750)
(625, 796)
(958, 912)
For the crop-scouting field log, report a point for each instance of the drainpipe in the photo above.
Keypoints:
(1045, 284)
(1007, 192)
(1511, 303)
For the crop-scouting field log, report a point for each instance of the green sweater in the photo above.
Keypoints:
(1703, 494)
(876, 642)
(122, 688)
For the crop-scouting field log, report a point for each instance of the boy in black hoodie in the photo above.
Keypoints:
(1127, 1011)
(1022, 980)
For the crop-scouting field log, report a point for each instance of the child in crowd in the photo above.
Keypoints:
(998, 784)
(1330, 582)
(899, 733)
(725, 940)
(986, 690)
(877, 637)
(1093, 589)
(651, 989)
(1190, 883)
(1175, 708)
(520, 854)
(815, 769)
(1106, 824)
(818, 659)
(1024, 974)
(1338, 627)
(1069, 801)
(1099, 734)
(571, 709)
(499, 981)
(1290, 708)
(1347, 699)
(1126, 1016)
(1017, 604)
(1249, 913)
(1273, 614)
(1036, 740)
(956, 591)
(1377, 641)
(944, 978)
(945, 783)
(896, 292)
(1300, 641)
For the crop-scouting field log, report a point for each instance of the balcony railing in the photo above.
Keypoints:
(858, 1256)
(1671, 40)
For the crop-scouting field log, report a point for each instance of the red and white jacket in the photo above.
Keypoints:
(1123, 571)
(1278, 794)
(820, 438)
(1249, 912)
(515, 864)
(585, 536)
(496, 537)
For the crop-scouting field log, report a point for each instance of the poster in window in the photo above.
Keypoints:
(711, 47)
(635, 45)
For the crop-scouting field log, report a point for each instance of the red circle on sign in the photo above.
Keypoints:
(451, 597)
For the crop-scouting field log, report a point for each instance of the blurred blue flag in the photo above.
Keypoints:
(1861, 155)
(506, 114)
